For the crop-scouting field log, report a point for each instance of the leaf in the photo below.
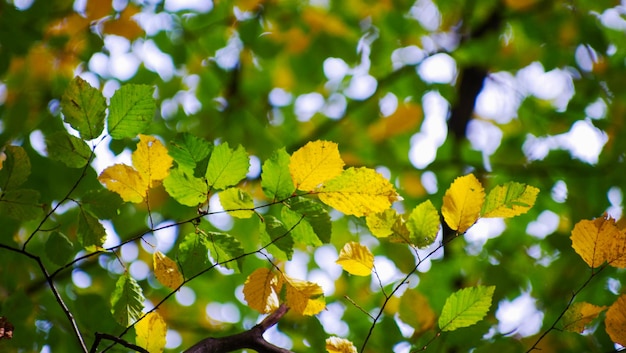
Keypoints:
(166, 270)
(615, 321)
(579, 315)
(20, 204)
(185, 188)
(381, 224)
(509, 200)
(314, 214)
(193, 254)
(131, 111)
(126, 300)
(83, 107)
(224, 248)
(189, 150)
(227, 167)
(304, 297)
(102, 203)
(261, 290)
(125, 181)
(405, 119)
(356, 259)
(151, 331)
(15, 168)
(124, 25)
(314, 164)
(151, 160)
(465, 307)
(68, 149)
(301, 231)
(423, 224)
(359, 192)
(237, 203)
(599, 241)
(416, 312)
(339, 345)
(274, 233)
(91, 233)
(59, 249)
(275, 176)
(462, 203)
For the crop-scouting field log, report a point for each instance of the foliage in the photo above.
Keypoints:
(184, 179)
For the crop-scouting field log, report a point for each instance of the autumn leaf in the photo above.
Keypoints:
(125, 181)
(151, 160)
(356, 259)
(261, 290)
(124, 25)
(423, 224)
(579, 315)
(359, 192)
(465, 307)
(463, 202)
(405, 119)
(615, 321)
(166, 270)
(599, 241)
(381, 223)
(415, 311)
(151, 331)
(315, 163)
(304, 297)
(339, 345)
(509, 200)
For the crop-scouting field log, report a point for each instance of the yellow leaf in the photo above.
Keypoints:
(462, 203)
(166, 270)
(615, 321)
(125, 181)
(261, 290)
(237, 203)
(405, 119)
(416, 312)
(381, 224)
(359, 192)
(509, 200)
(339, 345)
(580, 315)
(151, 160)
(599, 241)
(96, 9)
(356, 259)
(314, 164)
(151, 332)
(304, 297)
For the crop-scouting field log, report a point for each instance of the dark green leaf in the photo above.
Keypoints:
(91, 233)
(68, 149)
(15, 169)
(59, 248)
(127, 300)
(224, 249)
(83, 108)
(276, 235)
(103, 203)
(193, 254)
(314, 214)
(21, 204)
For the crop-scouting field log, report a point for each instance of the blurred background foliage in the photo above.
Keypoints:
(512, 90)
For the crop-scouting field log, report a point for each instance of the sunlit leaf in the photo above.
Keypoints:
(185, 188)
(315, 163)
(189, 150)
(615, 321)
(462, 203)
(261, 291)
(151, 331)
(339, 345)
(227, 167)
(423, 224)
(83, 108)
(275, 232)
(15, 168)
(416, 312)
(68, 149)
(237, 202)
(381, 223)
(151, 160)
(359, 192)
(59, 249)
(125, 181)
(166, 270)
(580, 315)
(193, 254)
(20, 204)
(509, 200)
(356, 259)
(127, 300)
(599, 241)
(314, 215)
(304, 297)
(131, 111)
(225, 249)
(91, 233)
(300, 230)
(275, 177)
(466, 307)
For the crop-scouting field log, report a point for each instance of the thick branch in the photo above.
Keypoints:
(252, 339)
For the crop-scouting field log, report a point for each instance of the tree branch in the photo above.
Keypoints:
(252, 339)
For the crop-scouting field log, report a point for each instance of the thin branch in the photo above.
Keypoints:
(100, 336)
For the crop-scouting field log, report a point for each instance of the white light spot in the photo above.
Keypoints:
(439, 68)
(361, 87)
(388, 104)
(139, 270)
(166, 237)
(81, 279)
(335, 106)
(172, 339)
(217, 216)
(37, 141)
(255, 167)
(484, 136)
(129, 252)
(597, 109)
(99, 63)
(185, 296)
(546, 224)
(331, 319)
(307, 105)
(519, 316)
(429, 182)
(278, 97)
(559, 191)
(335, 69)
(484, 229)
(585, 141)
(154, 59)
(192, 5)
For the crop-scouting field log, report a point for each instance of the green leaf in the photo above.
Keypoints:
(68, 149)
(59, 248)
(21, 204)
(301, 231)
(131, 111)
(91, 233)
(185, 188)
(314, 214)
(509, 200)
(103, 203)
(466, 307)
(127, 300)
(224, 249)
(227, 167)
(188, 150)
(423, 224)
(237, 203)
(275, 177)
(193, 254)
(274, 231)
(15, 169)
(83, 107)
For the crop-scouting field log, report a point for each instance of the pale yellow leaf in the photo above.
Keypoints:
(151, 160)
(615, 321)
(339, 345)
(462, 203)
(359, 191)
(315, 163)
(381, 223)
(579, 315)
(599, 241)
(166, 270)
(125, 181)
(304, 297)
(261, 290)
(151, 331)
(238, 203)
(356, 259)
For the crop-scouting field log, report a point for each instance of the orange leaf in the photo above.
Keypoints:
(615, 321)
(124, 25)
(579, 315)
(599, 241)
(405, 119)
(166, 270)
(462, 203)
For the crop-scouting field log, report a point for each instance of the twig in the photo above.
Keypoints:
(100, 336)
